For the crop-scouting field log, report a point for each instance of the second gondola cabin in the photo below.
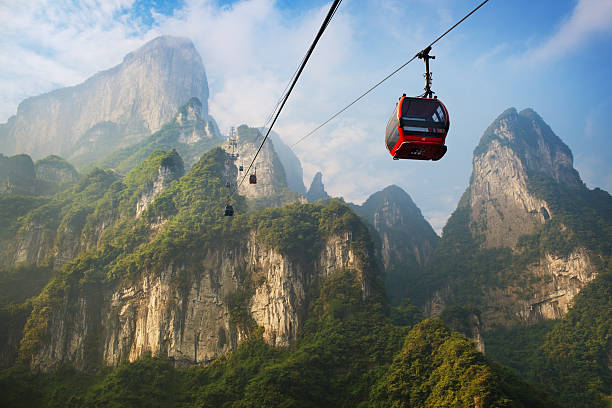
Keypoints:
(417, 129)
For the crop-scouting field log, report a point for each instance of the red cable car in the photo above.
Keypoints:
(418, 126)
(253, 177)
(417, 129)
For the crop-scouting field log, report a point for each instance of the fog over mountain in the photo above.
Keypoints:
(113, 108)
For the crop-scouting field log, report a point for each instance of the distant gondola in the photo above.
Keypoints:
(417, 129)
(229, 211)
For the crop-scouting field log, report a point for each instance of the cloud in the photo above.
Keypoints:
(589, 17)
(47, 44)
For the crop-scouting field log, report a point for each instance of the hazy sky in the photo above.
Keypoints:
(551, 55)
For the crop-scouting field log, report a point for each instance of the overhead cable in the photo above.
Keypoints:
(324, 25)
(335, 115)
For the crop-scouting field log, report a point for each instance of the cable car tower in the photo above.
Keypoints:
(232, 144)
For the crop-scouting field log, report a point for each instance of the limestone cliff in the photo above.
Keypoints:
(113, 108)
(514, 147)
(271, 188)
(521, 243)
(191, 321)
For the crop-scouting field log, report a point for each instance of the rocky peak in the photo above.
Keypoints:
(167, 167)
(317, 189)
(393, 208)
(17, 175)
(514, 149)
(112, 109)
(54, 169)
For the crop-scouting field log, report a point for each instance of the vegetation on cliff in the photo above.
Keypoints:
(349, 355)
(569, 357)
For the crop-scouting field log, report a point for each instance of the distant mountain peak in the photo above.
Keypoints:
(532, 142)
(112, 109)
(317, 189)
(160, 43)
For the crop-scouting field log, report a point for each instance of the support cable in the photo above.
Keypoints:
(326, 22)
(335, 115)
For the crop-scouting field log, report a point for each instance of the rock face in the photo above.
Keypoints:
(520, 196)
(271, 179)
(317, 189)
(113, 108)
(515, 146)
(191, 322)
(563, 277)
(19, 175)
(407, 240)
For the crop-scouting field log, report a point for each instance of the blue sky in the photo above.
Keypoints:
(551, 55)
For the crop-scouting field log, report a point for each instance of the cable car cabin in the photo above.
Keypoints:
(229, 211)
(253, 179)
(417, 129)
(241, 168)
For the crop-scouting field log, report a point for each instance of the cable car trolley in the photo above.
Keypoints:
(418, 126)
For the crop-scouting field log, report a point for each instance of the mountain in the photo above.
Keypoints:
(188, 133)
(407, 240)
(527, 235)
(317, 189)
(114, 108)
(526, 239)
(149, 245)
(294, 293)
(53, 231)
(271, 188)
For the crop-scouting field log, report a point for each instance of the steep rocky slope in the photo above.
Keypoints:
(291, 163)
(521, 243)
(113, 108)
